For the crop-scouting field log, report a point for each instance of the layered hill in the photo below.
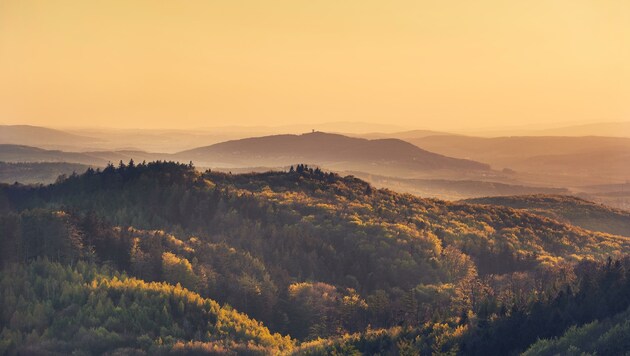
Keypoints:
(568, 209)
(450, 189)
(41, 137)
(21, 153)
(589, 155)
(404, 134)
(611, 129)
(261, 213)
(40, 172)
(330, 150)
(302, 193)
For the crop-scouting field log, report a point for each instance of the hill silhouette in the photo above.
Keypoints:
(332, 150)
(551, 154)
(21, 153)
(40, 136)
(453, 189)
(37, 172)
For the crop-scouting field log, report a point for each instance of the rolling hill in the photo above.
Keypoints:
(403, 134)
(585, 159)
(331, 150)
(568, 209)
(453, 189)
(503, 150)
(118, 314)
(329, 211)
(310, 254)
(41, 137)
(21, 153)
(611, 129)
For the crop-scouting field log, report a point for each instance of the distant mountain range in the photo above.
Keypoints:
(451, 189)
(170, 140)
(21, 153)
(589, 155)
(330, 150)
(41, 137)
(404, 134)
(111, 139)
(610, 129)
(441, 163)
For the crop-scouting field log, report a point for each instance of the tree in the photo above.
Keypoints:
(178, 270)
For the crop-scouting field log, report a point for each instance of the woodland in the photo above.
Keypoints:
(162, 258)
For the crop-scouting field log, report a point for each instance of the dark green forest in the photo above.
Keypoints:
(160, 258)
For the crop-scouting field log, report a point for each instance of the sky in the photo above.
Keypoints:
(412, 63)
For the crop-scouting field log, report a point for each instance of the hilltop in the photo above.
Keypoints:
(331, 150)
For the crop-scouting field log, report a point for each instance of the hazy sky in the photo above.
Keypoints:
(439, 64)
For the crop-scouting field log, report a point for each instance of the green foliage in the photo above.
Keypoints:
(569, 209)
(592, 320)
(608, 337)
(178, 270)
(47, 307)
(428, 339)
(309, 253)
(601, 291)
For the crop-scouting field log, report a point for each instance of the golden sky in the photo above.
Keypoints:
(440, 64)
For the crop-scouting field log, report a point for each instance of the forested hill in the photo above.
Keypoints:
(178, 198)
(309, 253)
(573, 210)
(331, 150)
(48, 308)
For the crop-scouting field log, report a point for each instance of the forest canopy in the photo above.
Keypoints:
(307, 254)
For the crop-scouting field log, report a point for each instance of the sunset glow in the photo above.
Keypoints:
(438, 64)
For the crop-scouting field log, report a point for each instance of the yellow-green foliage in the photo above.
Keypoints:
(48, 307)
(607, 337)
(568, 209)
(278, 245)
(178, 270)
